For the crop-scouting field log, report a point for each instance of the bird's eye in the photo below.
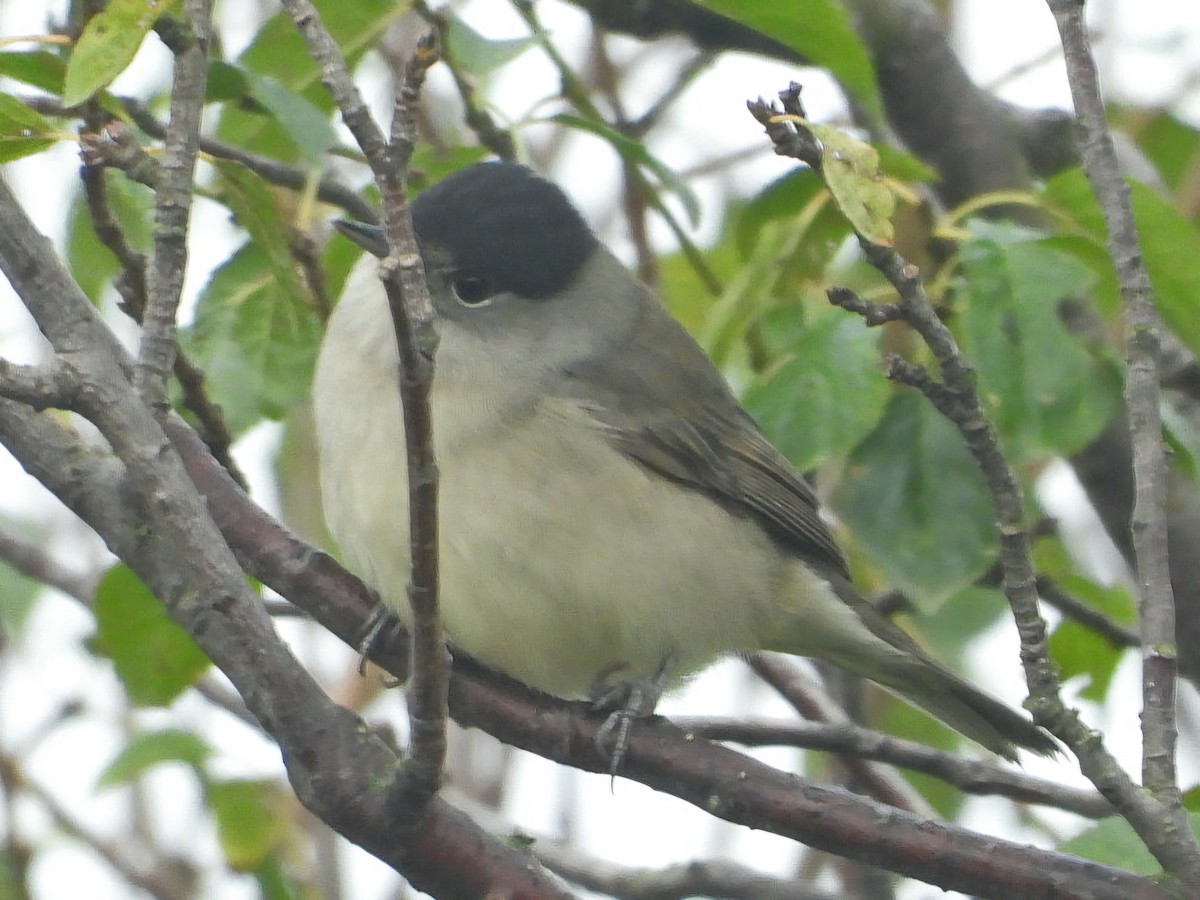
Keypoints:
(472, 289)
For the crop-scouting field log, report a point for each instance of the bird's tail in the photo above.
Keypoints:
(860, 640)
(959, 704)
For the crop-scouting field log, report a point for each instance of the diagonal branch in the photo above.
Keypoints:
(956, 397)
(718, 780)
(146, 508)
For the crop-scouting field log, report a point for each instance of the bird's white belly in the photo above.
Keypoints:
(559, 557)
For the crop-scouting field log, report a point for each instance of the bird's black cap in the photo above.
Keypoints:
(502, 222)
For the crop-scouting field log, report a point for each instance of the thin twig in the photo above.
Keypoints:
(329, 189)
(475, 114)
(32, 561)
(972, 776)
(576, 93)
(173, 204)
(1116, 633)
(164, 882)
(956, 397)
(1148, 526)
(131, 285)
(703, 878)
(412, 316)
(812, 702)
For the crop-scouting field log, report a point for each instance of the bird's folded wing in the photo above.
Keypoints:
(722, 454)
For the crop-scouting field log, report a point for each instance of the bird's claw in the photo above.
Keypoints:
(625, 701)
(380, 621)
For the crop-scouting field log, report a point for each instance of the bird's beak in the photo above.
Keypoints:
(369, 237)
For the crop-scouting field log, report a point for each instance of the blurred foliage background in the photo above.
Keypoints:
(106, 708)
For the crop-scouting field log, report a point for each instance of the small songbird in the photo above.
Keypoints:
(608, 511)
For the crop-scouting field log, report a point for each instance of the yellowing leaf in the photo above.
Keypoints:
(851, 169)
(108, 44)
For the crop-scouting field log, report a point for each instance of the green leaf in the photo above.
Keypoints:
(253, 204)
(1113, 842)
(1045, 391)
(818, 30)
(39, 68)
(898, 164)
(851, 169)
(964, 615)
(1191, 799)
(1076, 649)
(1080, 651)
(225, 83)
(279, 52)
(23, 132)
(477, 54)
(684, 293)
(784, 198)
(108, 44)
(1170, 247)
(635, 152)
(308, 126)
(255, 339)
(275, 882)
(153, 656)
(146, 751)
(250, 820)
(827, 398)
(1170, 144)
(892, 716)
(917, 503)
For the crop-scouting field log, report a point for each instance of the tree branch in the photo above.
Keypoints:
(811, 701)
(173, 204)
(955, 396)
(148, 512)
(131, 285)
(721, 781)
(1156, 605)
(416, 339)
(33, 562)
(163, 881)
(971, 776)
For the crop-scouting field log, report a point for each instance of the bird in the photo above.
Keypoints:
(610, 516)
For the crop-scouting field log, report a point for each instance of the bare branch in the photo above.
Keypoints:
(972, 776)
(956, 397)
(173, 205)
(416, 339)
(1142, 390)
(1116, 633)
(329, 189)
(478, 119)
(33, 562)
(813, 702)
(146, 509)
(131, 284)
(169, 880)
(52, 384)
(717, 878)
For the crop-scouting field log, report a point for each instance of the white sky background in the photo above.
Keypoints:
(1152, 48)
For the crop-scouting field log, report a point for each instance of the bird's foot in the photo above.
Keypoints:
(624, 700)
(380, 622)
